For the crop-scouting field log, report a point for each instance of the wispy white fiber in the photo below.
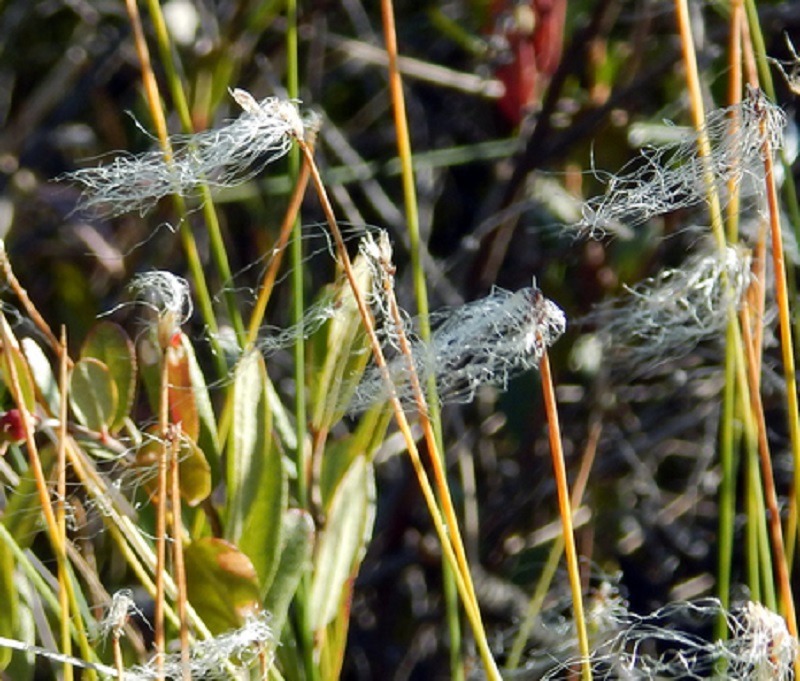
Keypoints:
(485, 342)
(222, 157)
(665, 317)
(213, 659)
(665, 645)
(667, 178)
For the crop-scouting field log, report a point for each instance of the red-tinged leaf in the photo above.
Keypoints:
(182, 404)
(221, 582)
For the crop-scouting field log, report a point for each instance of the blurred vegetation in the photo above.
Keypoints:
(498, 189)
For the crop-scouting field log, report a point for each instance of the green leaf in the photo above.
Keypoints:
(23, 373)
(342, 542)
(193, 469)
(9, 597)
(42, 373)
(221, 583)
(93, 394)
(195, 384)
(296, 547)
(109, 343)
(345, 352)
(257, 484)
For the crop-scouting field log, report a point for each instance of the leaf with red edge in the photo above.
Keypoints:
(221, 582)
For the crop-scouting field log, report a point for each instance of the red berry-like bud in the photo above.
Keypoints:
(11, 427)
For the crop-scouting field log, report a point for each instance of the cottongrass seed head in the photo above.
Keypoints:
(221, 157)
(239, 649)
(674, 176)
(665, 317)
(168, 296)
(485, 342)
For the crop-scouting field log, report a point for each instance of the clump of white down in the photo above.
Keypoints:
(233, 651)
(667, 643)
(662, 645)
(668, 178)
(484, 342)
(221, 157)
(238, 649)
(665, 317)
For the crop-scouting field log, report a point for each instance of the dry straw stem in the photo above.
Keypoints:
(565, 508)
(61, 493)
(776, 531)
(177, 544)
(59, 548)
(463, 577)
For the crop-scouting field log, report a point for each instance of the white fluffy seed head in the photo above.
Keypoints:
(121, 606)
(667, 178)
(664, 318)
(169, 297)
(221, 157)
(240, 649)
(485, 342)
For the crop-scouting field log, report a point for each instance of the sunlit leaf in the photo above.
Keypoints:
(23, 374)
(189, 400)
(342, 542)
(296, 548)
(9, 597)
(42, 373)
(342, 345)
(222, 583)
(257, 485)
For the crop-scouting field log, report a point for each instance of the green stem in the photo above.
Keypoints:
(217, 243)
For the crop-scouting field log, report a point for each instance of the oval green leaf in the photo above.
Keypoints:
(342, 542)
(23, 374)
(221, 583)
(93, 394)
(109, 343)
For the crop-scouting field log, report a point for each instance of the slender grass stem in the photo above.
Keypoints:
(119, 664)
(28, 306)
(784, 314)
(187, 238)
(435, 457)
(216, 242)
(161, 515)
(179, 569)
(727, 455)
(61, 496)
(432, 415)
(551, 565)
(268, 281)
(699, 118)
(565, 509)
(793, 210)
(12, 381)
(776, 531)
